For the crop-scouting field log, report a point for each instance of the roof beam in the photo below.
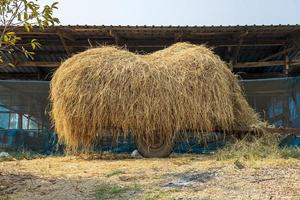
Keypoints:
(34, 76)
(266, 64)
(66, 36)
(252, 75)
(238, 65)
(37, 64)
(86, 45)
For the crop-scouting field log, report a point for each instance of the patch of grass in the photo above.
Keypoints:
(2, 159)
(157, 195)
(108, 191)
(290, 152)
(20, 155)
(253, 147)
(115, 172)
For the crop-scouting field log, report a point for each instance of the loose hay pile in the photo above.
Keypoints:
(107, 91)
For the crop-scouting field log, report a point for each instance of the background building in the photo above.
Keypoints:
(266, 58)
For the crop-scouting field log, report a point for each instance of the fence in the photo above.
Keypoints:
(24, 110)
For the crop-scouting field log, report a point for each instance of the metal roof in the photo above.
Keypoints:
(237, 45)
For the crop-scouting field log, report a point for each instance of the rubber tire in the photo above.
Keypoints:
(161, 152)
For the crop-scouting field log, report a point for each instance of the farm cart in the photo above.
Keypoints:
(160, 148)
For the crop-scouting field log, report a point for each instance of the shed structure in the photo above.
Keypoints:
(252, 51)
(267, 58)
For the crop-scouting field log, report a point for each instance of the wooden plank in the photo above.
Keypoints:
(238, 65)
(277, 54)
(281, 131)
(23, 76)
(37, 64)
(292, 131)
(67, 36)
(266, 64)
(256, 75)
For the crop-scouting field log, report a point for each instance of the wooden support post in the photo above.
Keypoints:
(9, 119)
(235, 55)
(114, 35)
(227, 57)
(295, 52)
(20, 120)
(28, 121)
(286, 65)
(286, 111)
(67, 49)
(178, 36)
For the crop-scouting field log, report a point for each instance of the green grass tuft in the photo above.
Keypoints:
(108, 191)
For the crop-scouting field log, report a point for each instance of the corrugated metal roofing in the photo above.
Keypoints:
(259, 41)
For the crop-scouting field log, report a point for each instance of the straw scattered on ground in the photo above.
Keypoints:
(178, 177)
(253, 147)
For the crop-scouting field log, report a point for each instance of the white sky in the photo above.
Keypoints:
(177, 12)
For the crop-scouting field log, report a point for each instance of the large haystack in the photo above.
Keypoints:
(108, 90)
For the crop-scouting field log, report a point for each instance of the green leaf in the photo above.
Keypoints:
(5, 38)
(30, 13)
(19, 17)
(10, 33)
(25, 16)
(45, 23)
(11, 65)
(54, 5)
(56, 20)
(33, 46)
(30, 5)
(26, 26)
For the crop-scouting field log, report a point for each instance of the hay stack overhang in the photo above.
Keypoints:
(108, 90)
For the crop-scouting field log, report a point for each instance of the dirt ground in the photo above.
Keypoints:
(178, 177)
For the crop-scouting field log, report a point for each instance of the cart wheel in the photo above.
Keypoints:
(159, 148)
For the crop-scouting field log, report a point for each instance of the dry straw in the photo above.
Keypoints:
(108, 90)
